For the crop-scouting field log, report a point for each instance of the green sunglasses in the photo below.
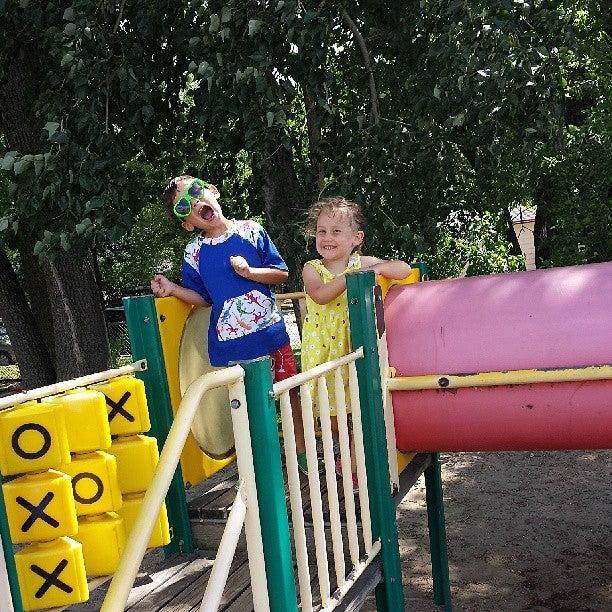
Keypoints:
(195, 191)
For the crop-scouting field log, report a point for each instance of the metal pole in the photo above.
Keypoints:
(143, 329)
(360, 289)
(437, 533)
(270, 487)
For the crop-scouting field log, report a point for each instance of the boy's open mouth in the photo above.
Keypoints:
(206, 212)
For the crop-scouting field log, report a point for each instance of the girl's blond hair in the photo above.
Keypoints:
(332, 206)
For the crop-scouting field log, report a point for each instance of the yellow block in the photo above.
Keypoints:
(172, 314)
(94, 483)
(40, 507)
(136, 457)
(33, 438)
(126, 405)
(103, 539)
(51, 574)
(86, 419)
(160, 536)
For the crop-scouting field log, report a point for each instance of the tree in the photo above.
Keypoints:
(86, 89)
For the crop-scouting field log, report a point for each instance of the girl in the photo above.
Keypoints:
(338, 227)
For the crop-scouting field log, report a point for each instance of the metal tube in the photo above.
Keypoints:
(345, 460)
(330, 476)
(295, 499)
(246, 471)
(362, 476)
(225, 555)
(314, 485)
(496, 379)
(137, 540)
(66, 385)
(324, 368)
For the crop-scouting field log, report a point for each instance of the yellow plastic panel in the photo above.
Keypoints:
(51, 574)
(172, 314)
(160, 536)
(33, 438)
(40, 507)
(94, 483)
(86, 419)
(126, 405)
(403, 460)
(103, 539)
(136, 457)
(387, 283)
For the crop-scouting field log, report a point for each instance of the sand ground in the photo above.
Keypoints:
(525, 531)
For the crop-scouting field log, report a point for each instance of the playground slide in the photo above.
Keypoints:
(543, 319)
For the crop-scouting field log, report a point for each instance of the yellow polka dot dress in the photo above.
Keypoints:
(325, 333)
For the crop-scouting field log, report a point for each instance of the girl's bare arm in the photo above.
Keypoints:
(390, 268)
(320, 292)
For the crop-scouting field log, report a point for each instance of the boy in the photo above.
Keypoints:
(230, 266)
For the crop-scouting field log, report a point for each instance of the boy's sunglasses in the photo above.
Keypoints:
(195, 191)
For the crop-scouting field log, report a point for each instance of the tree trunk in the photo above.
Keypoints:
(81, 338)
(35, 364)
(515, 248)
(285, 203)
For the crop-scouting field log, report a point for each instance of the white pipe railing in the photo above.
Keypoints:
(66, 385)
(344, 579)
(136, 544)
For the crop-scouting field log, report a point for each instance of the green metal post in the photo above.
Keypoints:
(360, 289)
(145, 342)
(270, 487)
(422, 266)
(9, 558)
(437, 533)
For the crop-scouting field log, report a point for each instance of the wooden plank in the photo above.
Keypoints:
(363, 586)
(144, 582)
(166, 592)
(214, 503)
(190, 598)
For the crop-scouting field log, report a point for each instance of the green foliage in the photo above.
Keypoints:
(481, 106)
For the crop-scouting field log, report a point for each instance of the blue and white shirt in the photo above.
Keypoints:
(244, 323)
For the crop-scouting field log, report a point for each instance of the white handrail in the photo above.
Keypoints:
(225, 554)
(66, 385)
(137, 540)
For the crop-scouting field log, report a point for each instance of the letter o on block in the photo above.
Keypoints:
(94, 483)
(34, 439)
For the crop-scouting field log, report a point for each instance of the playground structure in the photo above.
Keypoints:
(435, 404)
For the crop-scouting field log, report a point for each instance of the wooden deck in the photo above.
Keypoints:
(177, 584)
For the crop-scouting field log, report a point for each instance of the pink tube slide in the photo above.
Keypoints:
(555, 318)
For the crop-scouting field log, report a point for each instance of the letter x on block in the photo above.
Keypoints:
(51, 579)
(117, 407)
(37, 512)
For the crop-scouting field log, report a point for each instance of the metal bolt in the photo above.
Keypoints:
(354, 300)
(443, 381)
(146, 320)
(235, 404)
(162, 318)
